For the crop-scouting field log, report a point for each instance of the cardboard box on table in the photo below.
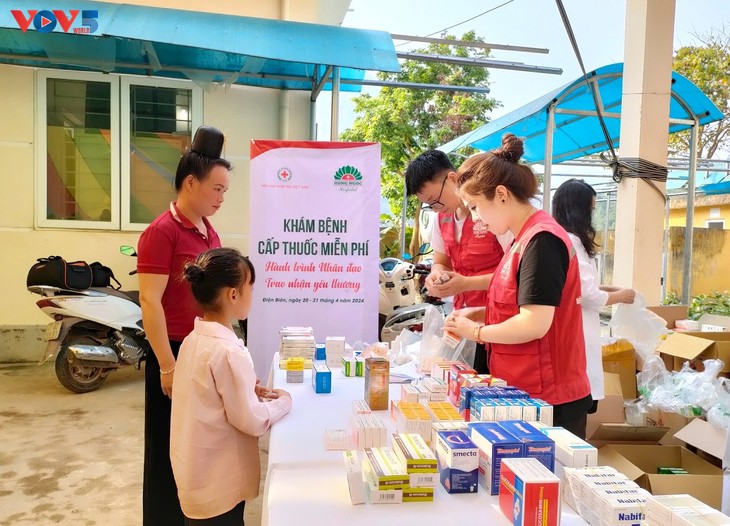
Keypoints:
(641, 462)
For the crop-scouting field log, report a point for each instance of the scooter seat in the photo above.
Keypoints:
(132, 295)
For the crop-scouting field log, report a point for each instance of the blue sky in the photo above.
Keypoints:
(598, 26)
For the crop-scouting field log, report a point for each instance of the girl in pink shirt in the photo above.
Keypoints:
(218, 410)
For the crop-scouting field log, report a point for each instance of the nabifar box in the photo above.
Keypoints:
(529, 494)
(414, 454)
(321, 378)
(382, 466)
(458, 459)
(495, 444)
(537, 445)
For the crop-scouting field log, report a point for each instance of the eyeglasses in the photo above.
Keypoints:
(436, 205)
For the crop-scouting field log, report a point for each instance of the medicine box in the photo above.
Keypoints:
(368, 431)
(529, 494)
(458, 369)
(441, 371)
(360, 407)
(353, 468)
(411, 417)
(445, 426)
(321, 378)
(495, 444)
(383, 467)
(442, 411)
(537, 445)
(414, 454)
(435, 385)
(294, 377)
(418, 494)
(319, 352)
(458, 459)
(377, 376)
(570, 451)
(382, 496)
(348, 366)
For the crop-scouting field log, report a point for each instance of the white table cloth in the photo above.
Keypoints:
(305, 483)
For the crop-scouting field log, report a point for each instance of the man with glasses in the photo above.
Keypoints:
(465, 253)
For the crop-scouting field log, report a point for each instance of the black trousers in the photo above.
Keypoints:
(573, 416)
(160, 503)
(229, 518)
(481, 359)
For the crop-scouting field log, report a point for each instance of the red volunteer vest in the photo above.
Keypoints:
(477, 253)
(552, 368)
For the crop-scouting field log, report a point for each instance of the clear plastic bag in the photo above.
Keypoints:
(638, 325)
(686, 392)
(433, 348)
(719, 414)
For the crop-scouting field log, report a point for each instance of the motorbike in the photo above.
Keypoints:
(94, 332)
(400, 284)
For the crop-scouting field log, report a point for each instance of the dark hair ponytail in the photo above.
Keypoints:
(203, 155)
(215, 270)
(573, 210)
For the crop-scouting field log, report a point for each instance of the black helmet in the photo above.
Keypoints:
(208, 141)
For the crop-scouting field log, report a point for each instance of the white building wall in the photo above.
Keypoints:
(242, 113)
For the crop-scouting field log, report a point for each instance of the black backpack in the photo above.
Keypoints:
(102, 276)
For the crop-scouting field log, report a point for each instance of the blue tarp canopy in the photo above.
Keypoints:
(577, 130)
(204, 47)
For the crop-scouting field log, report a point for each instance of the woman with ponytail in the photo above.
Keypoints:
(573, 206)
(532, 323)
(218, 410)
(177, 236)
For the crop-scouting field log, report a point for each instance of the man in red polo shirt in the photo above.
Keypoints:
(465, 253)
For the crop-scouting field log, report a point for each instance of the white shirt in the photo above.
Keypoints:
(593, 300)
(216, 421)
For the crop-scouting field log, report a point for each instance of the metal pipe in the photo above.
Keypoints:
(547, 174)
(665, 248)
(689, 226)
(606, 218)
(417, 85)
(478, 62)
(468, 43)
(335, 112)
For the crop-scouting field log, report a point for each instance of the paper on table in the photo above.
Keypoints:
(401, 374)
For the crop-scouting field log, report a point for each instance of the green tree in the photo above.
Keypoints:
(407, 122)
(707, 65)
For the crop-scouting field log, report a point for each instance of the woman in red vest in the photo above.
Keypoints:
(464, 251)
(533, 320)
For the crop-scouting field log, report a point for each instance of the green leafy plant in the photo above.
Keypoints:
(390, 237)
(715, 303)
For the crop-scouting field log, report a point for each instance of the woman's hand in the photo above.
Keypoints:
(166, 381)
(264, 393)
(626, 295)
(472, 313)
(279, 393)
(461, 326)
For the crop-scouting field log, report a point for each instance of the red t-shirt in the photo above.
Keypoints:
(164, 247)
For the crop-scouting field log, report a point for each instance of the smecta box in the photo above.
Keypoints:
(495, 444)
(537, 445)
(529, 494)
(458, 459)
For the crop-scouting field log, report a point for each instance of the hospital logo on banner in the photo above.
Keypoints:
(284, 174)
(348, 179)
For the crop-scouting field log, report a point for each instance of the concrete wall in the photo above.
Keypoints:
(710, 260)
(678, 216)
(242, 113)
